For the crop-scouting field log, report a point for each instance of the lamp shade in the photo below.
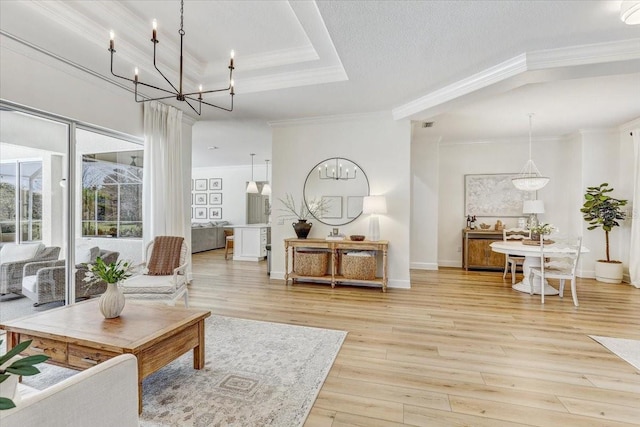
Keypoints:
(374, 205)
(533, 207)
(252, 187)
(266, 190)
(630, 12)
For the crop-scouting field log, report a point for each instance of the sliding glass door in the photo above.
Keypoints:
(68, 192)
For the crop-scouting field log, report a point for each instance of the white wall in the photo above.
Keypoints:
(234, 185)
(379, 145)
(424, 201)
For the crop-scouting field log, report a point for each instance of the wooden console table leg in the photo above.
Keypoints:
(286, 264)
(384, 270)
(334, 259)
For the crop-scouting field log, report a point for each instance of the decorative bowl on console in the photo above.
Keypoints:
(485, 226)
(357, 237)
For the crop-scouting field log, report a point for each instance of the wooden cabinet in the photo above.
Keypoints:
(477, 253)
(335, 248)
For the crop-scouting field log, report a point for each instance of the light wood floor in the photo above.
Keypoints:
(458, 349)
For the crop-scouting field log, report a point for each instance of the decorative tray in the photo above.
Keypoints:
(536, 242)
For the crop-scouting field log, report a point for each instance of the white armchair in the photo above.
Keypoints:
(105, 395)
(168, 288)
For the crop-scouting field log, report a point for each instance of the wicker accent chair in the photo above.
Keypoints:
(167, 288)
(11, 273)
(44, 282)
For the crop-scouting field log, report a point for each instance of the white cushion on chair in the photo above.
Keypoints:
(145, 284)
(29, 283)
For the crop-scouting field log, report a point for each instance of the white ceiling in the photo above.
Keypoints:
(476, 68)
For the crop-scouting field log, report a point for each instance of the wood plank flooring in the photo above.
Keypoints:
(457, 349)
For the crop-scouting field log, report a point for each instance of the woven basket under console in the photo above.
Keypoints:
(311, 263)
(359, 267)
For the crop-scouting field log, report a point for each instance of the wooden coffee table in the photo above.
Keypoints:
(79, 337)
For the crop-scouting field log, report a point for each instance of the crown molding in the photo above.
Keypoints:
(633, 125)
(490, 76)
(290, 79)
(519, 66)
(379, 115)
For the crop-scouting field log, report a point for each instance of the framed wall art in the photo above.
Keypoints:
(215, 213)
(493, 195)
(200, 185)
(215, 183)
(200, 199)
(215, 198)
(201, 213)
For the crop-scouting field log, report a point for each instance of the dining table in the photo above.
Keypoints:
(532, 256)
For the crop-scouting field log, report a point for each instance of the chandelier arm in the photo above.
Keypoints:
(192, 107)
(157, 99)
(158, 70)
(138, 82)
(213, 105)
(208, 91)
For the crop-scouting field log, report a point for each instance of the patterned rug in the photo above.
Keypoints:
(628, 350)
(256, 374)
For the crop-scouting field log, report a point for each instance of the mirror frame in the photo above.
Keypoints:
(314, 170)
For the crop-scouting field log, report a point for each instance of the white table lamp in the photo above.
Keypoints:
(533, 207)
(374, 205)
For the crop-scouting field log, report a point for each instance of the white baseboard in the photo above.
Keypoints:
(423, 266)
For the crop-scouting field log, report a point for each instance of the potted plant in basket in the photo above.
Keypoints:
(112, 301)
(312, 209)
(11, 367)
(603, 211)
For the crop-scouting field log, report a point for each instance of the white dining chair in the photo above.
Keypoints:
(562, 266)
(512, 261)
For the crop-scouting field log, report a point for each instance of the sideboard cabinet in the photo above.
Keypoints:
(476, 250)
(335, 248)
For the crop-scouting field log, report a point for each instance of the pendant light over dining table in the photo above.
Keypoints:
(252, 187)
(530, 178)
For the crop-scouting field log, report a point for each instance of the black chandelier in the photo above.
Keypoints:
(175, 92)
(336, 172)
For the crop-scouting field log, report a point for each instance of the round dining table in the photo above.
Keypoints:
(532, 257)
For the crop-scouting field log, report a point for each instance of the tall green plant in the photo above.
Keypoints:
(601, 210)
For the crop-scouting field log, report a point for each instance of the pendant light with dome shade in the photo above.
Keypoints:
(266, 188)
(530, 178)
(252, 187)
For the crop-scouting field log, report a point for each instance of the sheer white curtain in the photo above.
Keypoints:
(634, 251)
(163, 175)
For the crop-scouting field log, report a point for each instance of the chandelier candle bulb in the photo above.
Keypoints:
(233, 54)
(112, 38)
(154, 23)
(135, 74)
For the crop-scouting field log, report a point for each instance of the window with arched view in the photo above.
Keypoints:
(112, 194)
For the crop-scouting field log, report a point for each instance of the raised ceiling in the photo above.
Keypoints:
(476, 68)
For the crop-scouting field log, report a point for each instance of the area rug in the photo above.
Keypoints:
(256, 374)
(628, 350)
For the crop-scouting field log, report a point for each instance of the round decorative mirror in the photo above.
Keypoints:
(337, 185)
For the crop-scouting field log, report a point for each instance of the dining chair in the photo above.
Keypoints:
(561, 266)
(513, 260)
(163, 272)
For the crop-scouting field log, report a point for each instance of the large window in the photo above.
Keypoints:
(111, 195)
(27, 201)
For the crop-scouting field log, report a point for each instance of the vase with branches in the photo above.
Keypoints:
(303, 213)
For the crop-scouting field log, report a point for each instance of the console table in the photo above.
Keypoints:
(476, 250)
(335, 249)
